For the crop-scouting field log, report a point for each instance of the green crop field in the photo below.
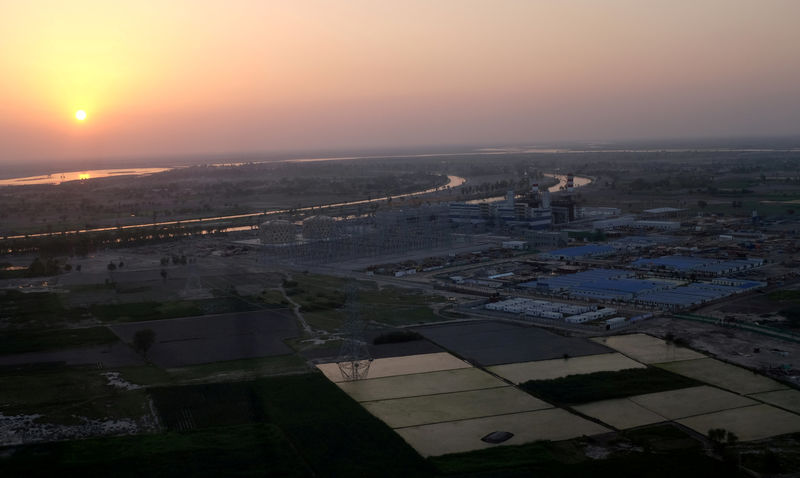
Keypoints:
(36, 309)
(592, 387)
(245, 450)
(300, 425)
(64, 394)
(17, 341)
(322, 301)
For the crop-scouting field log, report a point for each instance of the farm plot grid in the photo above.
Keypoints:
(458, 406)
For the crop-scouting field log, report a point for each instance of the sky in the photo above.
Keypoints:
(199, 77)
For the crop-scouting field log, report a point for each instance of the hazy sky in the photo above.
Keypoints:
(174, 77)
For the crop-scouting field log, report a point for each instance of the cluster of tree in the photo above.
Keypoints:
(681, 181)
(46, 267)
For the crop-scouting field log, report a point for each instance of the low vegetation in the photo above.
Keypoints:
(245, 450)
(36, 309)
(396, 336)
(300, 425)
(322, 302)
(785, 295)
(66, 395)
(591, 387)
(661, 451)
(27, 340)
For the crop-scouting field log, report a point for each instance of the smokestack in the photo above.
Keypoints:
(570, 182)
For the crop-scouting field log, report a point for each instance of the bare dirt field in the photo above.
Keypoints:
(447, 407)
(788, 399)
(687, 402)
(550, 369)
(748, 423)
(620, 413)
(495, 343)
(391, 366)
(465, 435)
(647, 349)
(400, 386)
(748, 349)
(723, 375)
(215, 338)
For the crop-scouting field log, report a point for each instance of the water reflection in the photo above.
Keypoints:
(58, 178)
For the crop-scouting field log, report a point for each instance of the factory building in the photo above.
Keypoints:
(596, 211)
(531, 210)
(321, 228)
(617, 285)
(697, 265)
(632, 223)
(579, 252)
(544, 239)
(278, 231)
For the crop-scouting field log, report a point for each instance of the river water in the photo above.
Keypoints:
(577, 181)
(452, 182)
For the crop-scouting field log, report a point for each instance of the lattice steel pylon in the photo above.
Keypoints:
(354, 358)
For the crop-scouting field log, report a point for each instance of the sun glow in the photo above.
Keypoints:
(84, 176)
(80, 115)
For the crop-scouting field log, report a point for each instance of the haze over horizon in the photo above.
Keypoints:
(194, 77)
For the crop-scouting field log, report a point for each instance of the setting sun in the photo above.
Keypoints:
(80, 115)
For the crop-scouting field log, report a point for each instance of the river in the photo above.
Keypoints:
(452, 182)
(577, 181)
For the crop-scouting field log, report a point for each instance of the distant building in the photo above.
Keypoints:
(517, 245)
(580, 252)
(592, 211)
(320, 227)
(277, 232)
(546, 239)
(531, 210)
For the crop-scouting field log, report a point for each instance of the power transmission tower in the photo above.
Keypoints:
(354, 358)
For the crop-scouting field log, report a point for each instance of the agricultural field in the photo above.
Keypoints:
(495, 343)
(215, 338)
(391, 366)
(272, 426)
(686, 402)
(322, 300)
(723, 375)
(585, 388)
(551, 424)
(557, 368)
(20, 341)
(449, 411)
(660, 451)
(787, 399)
(648, 349)
(448, 407)
(412, 385)
(748, 423)
(620, 413)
